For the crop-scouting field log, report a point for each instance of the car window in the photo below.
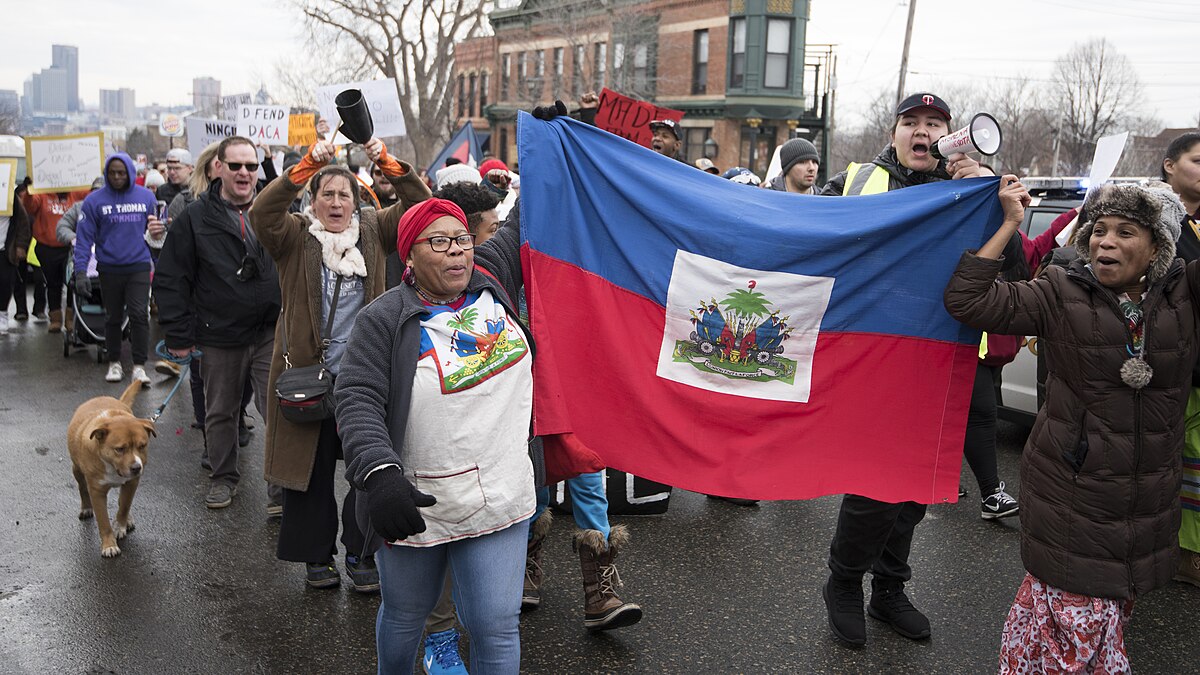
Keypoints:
(1040, 220)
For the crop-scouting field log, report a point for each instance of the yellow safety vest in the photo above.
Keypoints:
(870, 182)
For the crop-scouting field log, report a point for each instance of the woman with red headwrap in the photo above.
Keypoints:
(435, 397)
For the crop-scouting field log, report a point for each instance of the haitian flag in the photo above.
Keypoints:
(746, 342)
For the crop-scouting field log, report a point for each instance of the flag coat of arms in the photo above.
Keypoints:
(746, 342)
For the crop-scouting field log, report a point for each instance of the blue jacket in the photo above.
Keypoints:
(115, 221)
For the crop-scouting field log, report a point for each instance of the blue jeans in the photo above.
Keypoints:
(487, 573)
(589, 504)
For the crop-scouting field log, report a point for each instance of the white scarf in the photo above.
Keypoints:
(339, 251)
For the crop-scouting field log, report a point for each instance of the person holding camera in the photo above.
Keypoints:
(330, 259)
(218, 292)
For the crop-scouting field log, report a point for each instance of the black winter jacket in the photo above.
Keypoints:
(200, 299)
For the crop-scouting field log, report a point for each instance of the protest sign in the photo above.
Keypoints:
(170, 125)
(64, 163)
(628, 118)
(1104, 163)
(302, 129)
(263, 123)
(230, 104)
(381, 99)
(8, 173)
(202, 131)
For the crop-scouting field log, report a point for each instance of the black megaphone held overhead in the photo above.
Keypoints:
(356, 116)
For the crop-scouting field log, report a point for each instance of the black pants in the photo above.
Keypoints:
(28, 274)
(126, 294)
(979, 445)
(8, 277)
(54, 269)
(308, 532)
(876, 536)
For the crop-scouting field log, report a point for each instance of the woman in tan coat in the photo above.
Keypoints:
(331, 240)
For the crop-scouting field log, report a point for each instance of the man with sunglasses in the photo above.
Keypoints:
(218, 292)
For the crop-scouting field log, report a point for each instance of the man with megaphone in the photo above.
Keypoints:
(874, 535)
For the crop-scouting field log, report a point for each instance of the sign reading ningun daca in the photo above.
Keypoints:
(744, 342)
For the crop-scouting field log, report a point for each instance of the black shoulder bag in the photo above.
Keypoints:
(306, 394)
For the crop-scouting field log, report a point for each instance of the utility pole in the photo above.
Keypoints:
(912, 10)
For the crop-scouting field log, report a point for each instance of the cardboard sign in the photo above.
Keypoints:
(302, 129)
(64, 163)
(1104, 163)
(263, 123)
(170, 125)
(381, 98)
(629, 118)
(8, 174)
(231, 103)
(202, 132)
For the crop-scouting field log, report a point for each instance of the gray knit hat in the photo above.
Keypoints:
(797, 150)
(1154, 206)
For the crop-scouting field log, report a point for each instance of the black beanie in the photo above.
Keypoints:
(797, 150)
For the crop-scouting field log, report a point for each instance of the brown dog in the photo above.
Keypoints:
(108, 448)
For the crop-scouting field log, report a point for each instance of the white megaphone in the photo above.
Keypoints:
(982, 134)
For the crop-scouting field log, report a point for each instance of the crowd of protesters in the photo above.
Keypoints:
(368, 276)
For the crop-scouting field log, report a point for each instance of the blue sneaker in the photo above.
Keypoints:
(441, 654)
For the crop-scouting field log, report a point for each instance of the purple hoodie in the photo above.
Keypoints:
(115, 221)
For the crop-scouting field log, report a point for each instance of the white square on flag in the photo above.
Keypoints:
(740, 331)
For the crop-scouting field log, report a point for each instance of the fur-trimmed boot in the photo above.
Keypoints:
(68, 319)
(56, 320)
(602, 609)
(531, 593)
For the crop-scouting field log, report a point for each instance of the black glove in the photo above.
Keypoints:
(392, 503)
(549, 112)
(83, 286)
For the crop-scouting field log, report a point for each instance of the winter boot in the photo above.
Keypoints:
(69, 319)
(602, 609)
(531, 593)
(56, 319)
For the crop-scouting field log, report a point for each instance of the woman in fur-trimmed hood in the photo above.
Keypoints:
(1100, 473)
(333, 239)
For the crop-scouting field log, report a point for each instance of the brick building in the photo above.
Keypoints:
(739, 69)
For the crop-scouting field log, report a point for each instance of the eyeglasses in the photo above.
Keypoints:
(237, 166)
(441, 244)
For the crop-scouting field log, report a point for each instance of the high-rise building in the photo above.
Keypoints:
(66, 57)
(206, 93)
(117, 103)
(46, 92)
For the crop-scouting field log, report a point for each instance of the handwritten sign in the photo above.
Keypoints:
(381, 98)
(302, 129)
(170, 125)
(64, 163)
(231, 103)
(8, 173)
(263, 123)
(629, 118)
(202, 132)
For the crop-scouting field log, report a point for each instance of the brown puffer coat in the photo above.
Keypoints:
(291, 448)
(1101, 469)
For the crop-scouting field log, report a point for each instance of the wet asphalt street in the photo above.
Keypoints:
(725, 589)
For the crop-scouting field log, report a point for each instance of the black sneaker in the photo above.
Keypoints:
(243, 436)
(890, 605)
(844, 602)
(363, 574)
(321, 575)
(999, 504)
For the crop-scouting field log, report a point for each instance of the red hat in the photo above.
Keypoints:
(489, 165)
(416, 219)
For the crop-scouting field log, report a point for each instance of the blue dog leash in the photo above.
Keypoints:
(185, 363)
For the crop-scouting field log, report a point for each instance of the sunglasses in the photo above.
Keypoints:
(237, 166)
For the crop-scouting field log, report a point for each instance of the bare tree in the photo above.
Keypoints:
(297, 87)
(10, 119)
(409, 40)
(1098, 93)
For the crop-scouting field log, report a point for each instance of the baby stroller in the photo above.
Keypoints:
(88, 328)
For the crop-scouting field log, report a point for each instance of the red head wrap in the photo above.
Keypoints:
(418, 217)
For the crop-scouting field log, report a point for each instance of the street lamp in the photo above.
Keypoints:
(711, 148)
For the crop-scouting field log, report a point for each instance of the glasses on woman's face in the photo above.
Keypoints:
(441, 244)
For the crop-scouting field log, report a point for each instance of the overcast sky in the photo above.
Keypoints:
(156, 47)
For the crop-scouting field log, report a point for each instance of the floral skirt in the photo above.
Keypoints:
(1052, 631)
